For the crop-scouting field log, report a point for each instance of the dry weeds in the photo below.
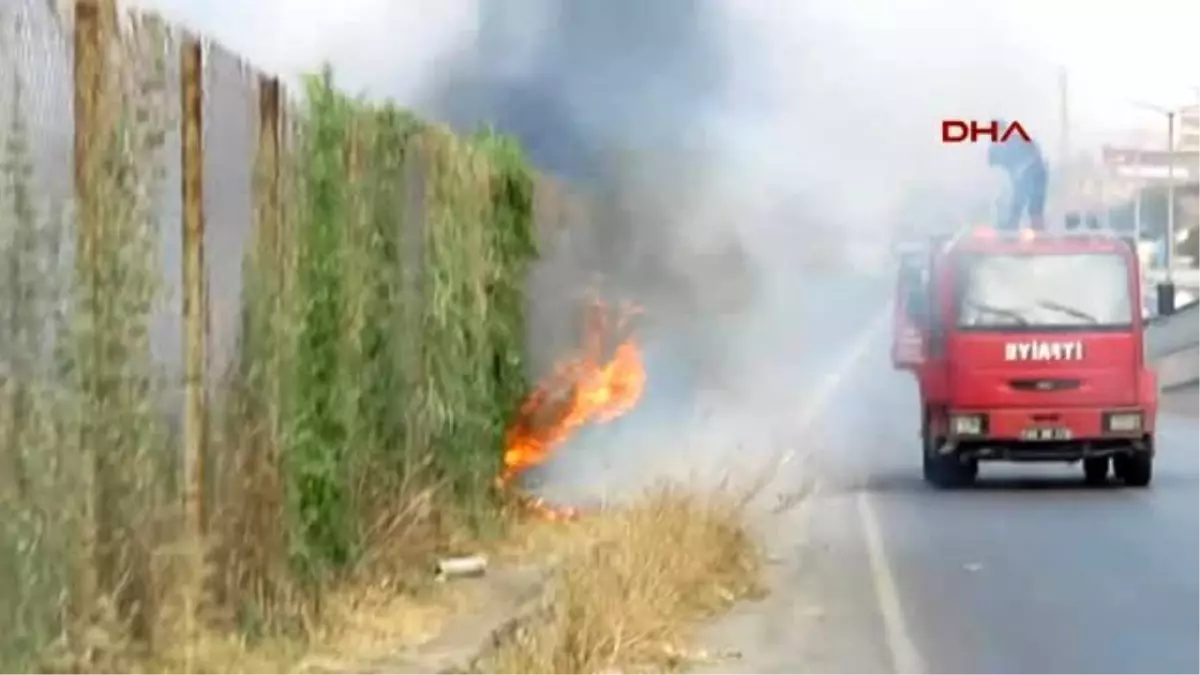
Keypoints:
(630, 584)
(359, 622)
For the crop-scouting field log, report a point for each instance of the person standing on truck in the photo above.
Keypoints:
(1022, 160)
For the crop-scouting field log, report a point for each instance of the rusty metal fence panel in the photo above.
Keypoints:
(37, 129)
(36, 252)
(160, 49)
(230, 139)
(35, 48)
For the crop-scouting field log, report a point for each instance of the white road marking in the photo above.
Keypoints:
(815, 404)
(902, 651)
(901, 648)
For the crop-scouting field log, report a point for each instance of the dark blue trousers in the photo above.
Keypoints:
(1029, 198)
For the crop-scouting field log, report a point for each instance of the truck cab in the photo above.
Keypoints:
(1027, 347)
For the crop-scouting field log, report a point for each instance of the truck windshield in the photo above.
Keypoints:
(1043, 291)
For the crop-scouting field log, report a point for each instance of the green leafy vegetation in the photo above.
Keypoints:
(359, 425)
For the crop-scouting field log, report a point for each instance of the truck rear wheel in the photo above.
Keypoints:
(1095, 470)
(1136, 469)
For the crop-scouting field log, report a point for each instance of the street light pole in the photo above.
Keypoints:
(1137, 209)
(1066, 190)
(1166, 295)
(1170, 253)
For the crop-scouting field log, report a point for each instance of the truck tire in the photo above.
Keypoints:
(1095, 470)
(929, 470)
(1137, 469)
(945, 471)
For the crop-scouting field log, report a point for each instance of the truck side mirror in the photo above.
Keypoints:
(1166, 298)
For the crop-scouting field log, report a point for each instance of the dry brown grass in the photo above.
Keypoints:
(628, 585)
(631, 583)
(390, 601)
(360, 623)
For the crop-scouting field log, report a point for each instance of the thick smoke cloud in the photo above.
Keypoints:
(596, 77)
(612, 98)
(752, 161)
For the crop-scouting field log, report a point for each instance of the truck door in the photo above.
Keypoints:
(910, 311)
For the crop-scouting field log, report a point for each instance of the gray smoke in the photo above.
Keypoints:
(581, 81)
(752, 161)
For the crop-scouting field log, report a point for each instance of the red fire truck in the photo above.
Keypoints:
(1027, 347)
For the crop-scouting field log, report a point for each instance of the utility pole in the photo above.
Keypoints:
(1170, 253)
(1064, 150)
(1137, 208)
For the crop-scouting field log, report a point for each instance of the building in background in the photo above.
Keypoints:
(1187, 137)
(1133, 189)
(1128, 189)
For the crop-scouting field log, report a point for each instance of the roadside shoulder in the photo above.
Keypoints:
(1183, 401)
(821, 614)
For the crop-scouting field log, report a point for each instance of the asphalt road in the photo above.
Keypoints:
(1029, 571)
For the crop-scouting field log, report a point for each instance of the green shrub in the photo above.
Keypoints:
(413, 250)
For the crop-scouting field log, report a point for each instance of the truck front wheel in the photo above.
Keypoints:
(946, 471)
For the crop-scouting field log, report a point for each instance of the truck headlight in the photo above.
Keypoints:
(1123, 422)
(967, 425)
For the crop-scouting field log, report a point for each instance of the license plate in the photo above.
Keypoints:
(1046, 434)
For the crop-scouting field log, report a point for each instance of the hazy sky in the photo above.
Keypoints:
(1114, 51)
(809, 91)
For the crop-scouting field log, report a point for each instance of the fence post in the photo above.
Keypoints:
(269, 247)
(268, 158)
(90, 82)
(195, 347)
(284, 187)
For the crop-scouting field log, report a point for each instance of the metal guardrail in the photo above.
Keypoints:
(1187, 277)
(1173, 345)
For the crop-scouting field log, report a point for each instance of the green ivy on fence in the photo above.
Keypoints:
(409, 339)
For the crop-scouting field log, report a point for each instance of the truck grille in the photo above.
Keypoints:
(1043, 384)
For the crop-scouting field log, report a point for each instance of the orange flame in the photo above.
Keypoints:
(539, 508)
(581, 390)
